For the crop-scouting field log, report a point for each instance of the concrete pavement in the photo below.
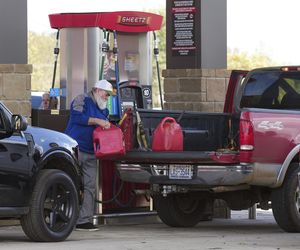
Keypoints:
(236, 233)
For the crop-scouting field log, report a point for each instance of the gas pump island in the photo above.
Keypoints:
(115, 46)
(111, 45)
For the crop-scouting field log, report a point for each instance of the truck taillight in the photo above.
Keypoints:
(246, 135)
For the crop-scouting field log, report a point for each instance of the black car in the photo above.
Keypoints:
(40, 178)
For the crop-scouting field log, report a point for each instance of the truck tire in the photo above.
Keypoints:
(54, 207)
(183, 210)
(286, 201)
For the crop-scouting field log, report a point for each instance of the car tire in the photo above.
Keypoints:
(286, 201)
(54, 207)
(183, 210)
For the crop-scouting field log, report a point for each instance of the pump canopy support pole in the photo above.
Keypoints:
(156, 53)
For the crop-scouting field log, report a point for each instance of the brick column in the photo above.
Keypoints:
(15, 87)
(195, 89)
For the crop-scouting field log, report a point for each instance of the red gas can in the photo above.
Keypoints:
(108, 142)
(167, 136)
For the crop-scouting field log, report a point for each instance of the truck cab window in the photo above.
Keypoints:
(261, 91)
(272, 90)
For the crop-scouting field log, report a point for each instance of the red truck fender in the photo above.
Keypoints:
(295, 152)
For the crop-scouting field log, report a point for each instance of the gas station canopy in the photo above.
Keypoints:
(122, 21)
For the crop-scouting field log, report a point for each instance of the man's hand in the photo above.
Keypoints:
(100, 122)
(105, 124)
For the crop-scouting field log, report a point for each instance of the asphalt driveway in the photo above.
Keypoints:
(236, 233)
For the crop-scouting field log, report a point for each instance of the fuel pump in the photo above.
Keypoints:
(125, 61)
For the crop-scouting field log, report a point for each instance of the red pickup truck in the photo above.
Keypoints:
(246, 155)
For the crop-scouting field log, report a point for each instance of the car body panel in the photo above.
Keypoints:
(23, 154)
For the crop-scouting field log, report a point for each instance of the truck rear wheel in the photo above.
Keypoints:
(183, 210)
(286, 201)
(54, 207)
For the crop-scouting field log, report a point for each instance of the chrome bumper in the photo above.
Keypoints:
(209, 176)
(204, 175)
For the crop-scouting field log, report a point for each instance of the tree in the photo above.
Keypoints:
(40, 55)
(241, 60)
(161, 38)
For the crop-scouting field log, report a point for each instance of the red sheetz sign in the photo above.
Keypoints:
(123, 21)
(133, 20)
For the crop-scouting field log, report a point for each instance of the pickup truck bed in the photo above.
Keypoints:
(201, 131)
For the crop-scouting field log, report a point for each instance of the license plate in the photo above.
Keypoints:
(180, 172)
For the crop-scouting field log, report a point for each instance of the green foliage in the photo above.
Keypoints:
(242, 60)
(161, 38)
(40, 55)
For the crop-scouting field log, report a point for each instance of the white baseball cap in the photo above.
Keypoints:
(104, 85)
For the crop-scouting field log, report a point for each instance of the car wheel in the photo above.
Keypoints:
(53, 209)
(286, 201)
(183, 210)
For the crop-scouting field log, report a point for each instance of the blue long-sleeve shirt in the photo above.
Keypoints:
(82, 108)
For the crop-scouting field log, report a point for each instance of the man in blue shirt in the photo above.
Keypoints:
(87, 112)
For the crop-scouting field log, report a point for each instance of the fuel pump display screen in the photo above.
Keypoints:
(127, 105)
(126, 93)
(128, 98)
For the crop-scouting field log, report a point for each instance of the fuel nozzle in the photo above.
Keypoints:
(56, 49)
(105, 44)
(155, 50)
(115, 48)
(105, 47)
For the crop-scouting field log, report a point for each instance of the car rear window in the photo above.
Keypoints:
(272, 90)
